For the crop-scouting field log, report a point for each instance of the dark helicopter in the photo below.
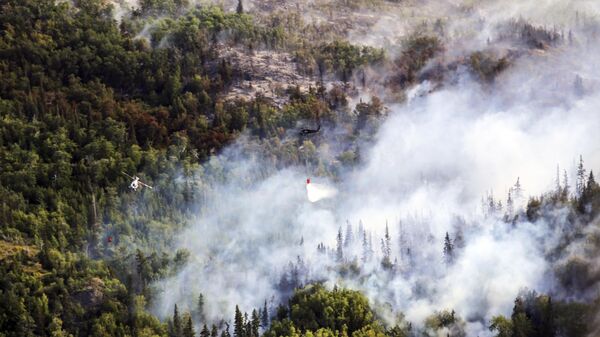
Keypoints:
(305, 132)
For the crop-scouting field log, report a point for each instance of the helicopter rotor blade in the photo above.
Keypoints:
(127, 175)
(141, 183)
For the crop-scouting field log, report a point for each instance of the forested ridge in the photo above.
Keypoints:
(83, 101)
(87, 99)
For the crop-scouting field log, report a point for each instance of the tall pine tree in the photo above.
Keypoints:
(255, 322)
(348, 240)
(177, 326)
(387, 248)
(201, 315)
(580, 182)
(225, 332)
(264, 318)
(238, 323)
(339, 253)
(448, 250)
(365, 247)
(204, 332)
(188, 329)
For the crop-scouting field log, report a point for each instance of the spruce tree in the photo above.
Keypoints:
(188, 329)
(214, 332)
(448, 250)
(255, 323)
(204, 332)
(176, 322)
(521, 323)
(247, 326)
(509, 204)
(141, 262)
(348, 240)
(591, 182)
(225, 332)
(201, 307)
(387, 252)
(339, 253)
(365, 247)
(264, 318)
(240, 7)
(587, 195)
(238, 324)
(580, 182)
(517, 189)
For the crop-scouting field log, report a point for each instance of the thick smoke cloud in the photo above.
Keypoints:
(432, 161)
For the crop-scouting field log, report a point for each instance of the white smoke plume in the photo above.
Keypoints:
(316, 192)
(431, 162)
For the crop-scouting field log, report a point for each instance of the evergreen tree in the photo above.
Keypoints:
(255, 319)
(247, 326)
(225, 332)
(205, 332)
(339, 253)
(387, 243)
(518, 190)
(238, 324)
(509, 204)
(282, 312)
(589, 202)
(214, 332)
(547, 326)
(348, 240)
(177, 326)
(521, 324)
(141, 266)
(188, 329)
(448, 250)
(240, 7)
(264, 318)
(365, 247)
(386, 249)
(580, 179)
(491, 204)
(201, 307)
(591, 182)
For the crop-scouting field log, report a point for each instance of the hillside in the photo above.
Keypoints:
(453, 145)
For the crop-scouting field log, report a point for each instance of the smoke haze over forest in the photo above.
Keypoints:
(424, 173)
(357, 168)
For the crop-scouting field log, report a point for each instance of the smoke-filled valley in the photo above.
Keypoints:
(310, 168)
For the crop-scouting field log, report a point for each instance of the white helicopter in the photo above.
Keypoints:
(136, 183)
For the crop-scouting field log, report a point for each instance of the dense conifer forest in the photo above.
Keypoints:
(206, 103)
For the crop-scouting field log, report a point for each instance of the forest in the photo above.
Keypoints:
(181, 94)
